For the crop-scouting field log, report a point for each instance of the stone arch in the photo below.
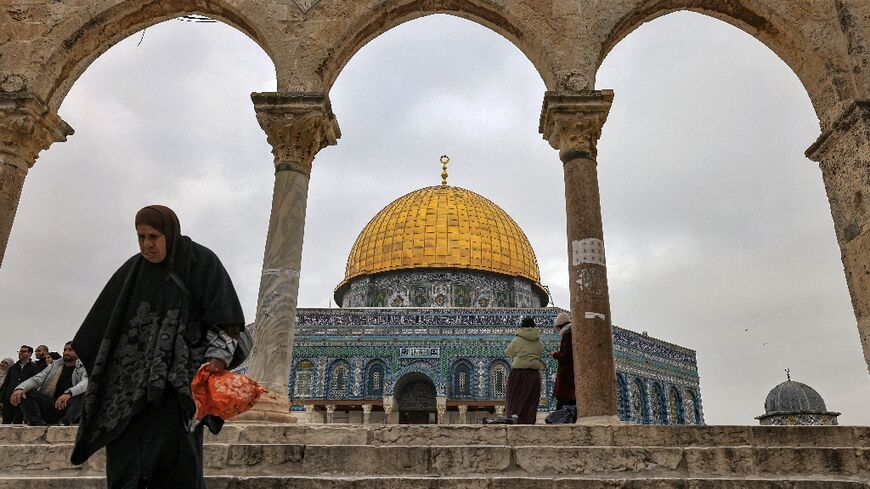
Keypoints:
(415, 396)
(825, 75)
(395, 13)
(417, 367)
(461, 379)
(85, 42)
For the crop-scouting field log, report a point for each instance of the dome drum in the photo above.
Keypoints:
(440, 288)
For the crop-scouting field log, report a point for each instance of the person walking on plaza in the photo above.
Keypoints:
(55, 394)
(142, 342)
(563, 390)
(524, 382)
(41, 358)
(20, 371)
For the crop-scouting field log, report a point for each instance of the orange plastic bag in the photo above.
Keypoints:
(224, 394)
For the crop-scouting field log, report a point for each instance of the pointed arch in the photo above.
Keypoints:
(302, 380)
(461, 379)
(658, 413)
(338, 380)
(622, 397)
(639, 410)
(497, 382)
(375, 375)
(675, 407)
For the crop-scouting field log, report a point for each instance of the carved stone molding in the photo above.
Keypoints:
(27, 127)
(571, 122)
(297, 127)
(859, 110)
(305, 5)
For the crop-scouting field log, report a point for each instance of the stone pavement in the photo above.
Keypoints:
(469, 456)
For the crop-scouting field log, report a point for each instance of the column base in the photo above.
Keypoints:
(598, 420)
(270, 408)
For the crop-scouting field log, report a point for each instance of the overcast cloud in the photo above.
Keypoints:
(718, 230)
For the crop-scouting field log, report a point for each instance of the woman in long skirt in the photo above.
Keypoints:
(524, 381)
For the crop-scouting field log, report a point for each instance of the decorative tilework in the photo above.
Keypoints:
(476, 338)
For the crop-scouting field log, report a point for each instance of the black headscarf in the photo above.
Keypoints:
(146, 332)
(163, 219)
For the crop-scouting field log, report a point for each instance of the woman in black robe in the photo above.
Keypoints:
(142, 342)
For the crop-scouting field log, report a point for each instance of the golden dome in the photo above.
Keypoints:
(442, 227)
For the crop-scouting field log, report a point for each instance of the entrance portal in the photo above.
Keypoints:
(415, 393)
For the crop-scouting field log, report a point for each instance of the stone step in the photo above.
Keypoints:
(403, 482)
(240, 459)
(550, 435)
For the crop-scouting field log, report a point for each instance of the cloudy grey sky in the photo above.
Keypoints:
(718, 231)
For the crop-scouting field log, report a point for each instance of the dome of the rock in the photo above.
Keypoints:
(443, 228)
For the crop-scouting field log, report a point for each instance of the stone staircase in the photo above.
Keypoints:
(248, 456)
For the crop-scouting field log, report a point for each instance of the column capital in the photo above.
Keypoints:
(297, 126)
(571, 121)
(858, 110)
(28, 127)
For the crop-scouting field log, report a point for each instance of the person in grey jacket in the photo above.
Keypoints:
(54, 395)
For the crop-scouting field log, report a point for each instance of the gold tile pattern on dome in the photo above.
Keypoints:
(442, 227)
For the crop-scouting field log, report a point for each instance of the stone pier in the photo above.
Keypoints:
(27, 127)
(843, 154)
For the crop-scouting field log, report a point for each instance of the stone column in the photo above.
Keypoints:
(388, 409)
(27, 127)
(843, 154)
(297, 127)
(441, 409)
(499, 409)
(309, 413)
(367, 413)
(571, 122)
(463, 414)
(330, 413)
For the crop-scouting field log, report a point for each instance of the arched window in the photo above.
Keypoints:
(638, 401)
(462, 380)
(689, 407)
(675, 408)
(622, 397)
(657, 404)
(339, 381)
(303, 380)
(498, 373)
(375, 379)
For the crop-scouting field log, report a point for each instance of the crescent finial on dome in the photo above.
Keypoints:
(444, 160)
